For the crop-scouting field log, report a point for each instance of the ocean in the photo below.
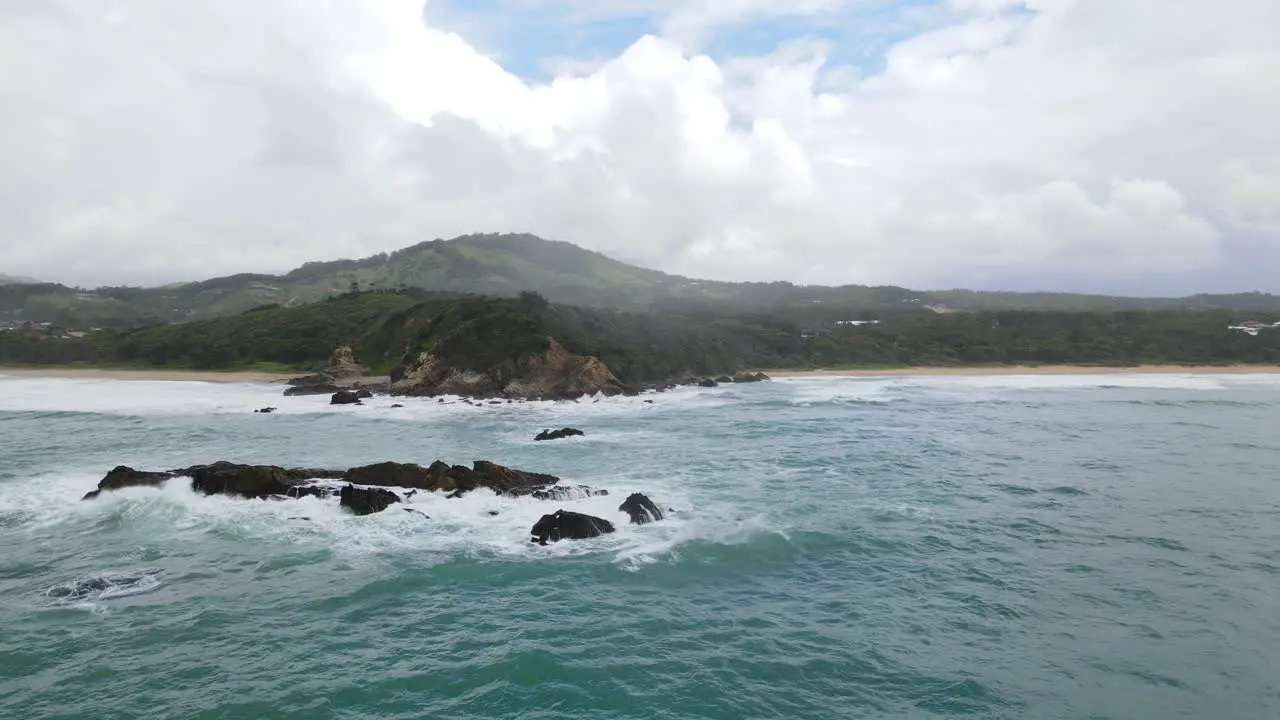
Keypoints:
(895, 547)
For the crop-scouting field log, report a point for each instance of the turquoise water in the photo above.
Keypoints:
(1021, 547)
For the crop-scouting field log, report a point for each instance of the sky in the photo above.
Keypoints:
(1125, 146)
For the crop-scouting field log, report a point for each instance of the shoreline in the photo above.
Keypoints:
(987, 370)
(253, 376)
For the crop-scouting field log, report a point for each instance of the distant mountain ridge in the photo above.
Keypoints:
(507, 264)
(17, 280)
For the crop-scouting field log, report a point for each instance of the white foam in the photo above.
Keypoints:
(889, 388)
(456, 527)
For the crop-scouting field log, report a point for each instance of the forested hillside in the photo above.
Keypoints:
(386, 328)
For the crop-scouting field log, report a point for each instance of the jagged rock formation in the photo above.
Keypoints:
(557, 434)
(343, 364)
(341, 371)
(641, 509)
(553, 374)
(568, 525)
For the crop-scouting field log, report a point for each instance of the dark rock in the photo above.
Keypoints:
(707, 383)
(363, 394)
(257, 481)
(397, 405)
(397, 373)
(641, 509)
(568, 525)
(499, 479)
(493, 513)
(746, 377)
(392, 474)
(325, 389)
(265, 410)
(309, 381)
(648, 402)
(366, 501)
(123, 476)
(345, 397)
(724, 379)
(557, 434)
(414, 510)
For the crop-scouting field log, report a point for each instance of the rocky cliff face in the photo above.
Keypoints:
(555, 373)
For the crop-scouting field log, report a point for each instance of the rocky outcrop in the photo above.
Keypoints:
(123, 476)
(345, 397)
(459, 479)
(554, 374)
(366, 501)
(256, 481)
(568, 525)
(747, 377)
(337, 375)
(365, 489)
(641, 509)
(311, 385)
(558, 434)
(343, 364)
(708, 383)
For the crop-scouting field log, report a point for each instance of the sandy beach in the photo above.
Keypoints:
(1034, 370)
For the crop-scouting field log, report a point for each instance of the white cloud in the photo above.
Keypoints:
(149, 140)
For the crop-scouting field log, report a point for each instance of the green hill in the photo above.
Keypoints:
(505, 265)
(475, 332)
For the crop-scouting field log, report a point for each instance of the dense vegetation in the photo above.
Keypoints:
(480, 332)
(505, 265)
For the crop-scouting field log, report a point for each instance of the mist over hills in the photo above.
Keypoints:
(506, 264)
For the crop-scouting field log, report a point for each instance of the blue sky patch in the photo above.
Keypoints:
(533, 38)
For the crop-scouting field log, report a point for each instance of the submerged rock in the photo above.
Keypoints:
(265, 410)
(106, 585)
(641, 509)
(557, 434)
(366, 501)
(568, 525)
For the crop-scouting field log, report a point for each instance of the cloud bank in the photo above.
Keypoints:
(1094, 143)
